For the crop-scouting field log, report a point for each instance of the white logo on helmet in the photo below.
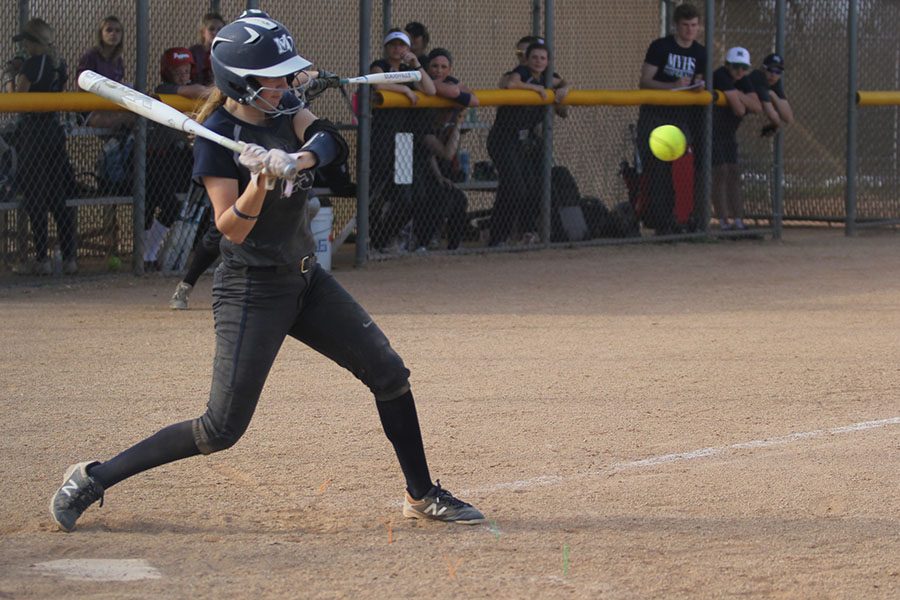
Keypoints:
(284, 43)
(260, 22)
(254, 35)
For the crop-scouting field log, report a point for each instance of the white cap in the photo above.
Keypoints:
(396, 35)
(738, 56)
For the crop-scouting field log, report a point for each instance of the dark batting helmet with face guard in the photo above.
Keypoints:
(250, 48)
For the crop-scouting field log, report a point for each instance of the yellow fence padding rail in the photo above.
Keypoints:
(878, 98)
(573, 98)
(75, 102)
(85, 102)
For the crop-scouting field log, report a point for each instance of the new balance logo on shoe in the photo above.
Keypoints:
(69, 487)
(433, 509)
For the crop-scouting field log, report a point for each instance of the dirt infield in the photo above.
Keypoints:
(687, 420)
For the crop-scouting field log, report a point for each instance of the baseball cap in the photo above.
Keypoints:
(37, 31)
(738, 56)
(774, 63)
(396, 35)
(172, 58)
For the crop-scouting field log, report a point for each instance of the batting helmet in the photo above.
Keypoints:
(172, 58)
(252, 47)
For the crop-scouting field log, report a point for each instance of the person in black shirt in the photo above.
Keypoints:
(769, 86)
(269, 286)
(419, 38)
(45, 175)
(731, 79)
(517, 150)
(392, 201)
(674, 62)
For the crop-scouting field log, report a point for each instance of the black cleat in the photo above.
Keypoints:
(78, 491)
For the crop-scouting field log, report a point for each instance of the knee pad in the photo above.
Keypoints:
(210, 439)
(389, 378)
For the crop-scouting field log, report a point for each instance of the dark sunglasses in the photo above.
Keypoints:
(740, 67)
(774, 70)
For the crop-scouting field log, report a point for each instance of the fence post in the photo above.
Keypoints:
(852, 35)
(536, 17)
(386, 21)
(363, 136)
(142, 38)
(708, 116)
(778, 159)
(252, 4)
(547, 167)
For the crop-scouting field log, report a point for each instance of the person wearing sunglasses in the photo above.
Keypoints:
(732, 81)
(769, 86)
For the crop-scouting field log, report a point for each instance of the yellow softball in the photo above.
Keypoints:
(667, 142)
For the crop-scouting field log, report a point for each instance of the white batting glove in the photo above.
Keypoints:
(280, 164)
(253, 157)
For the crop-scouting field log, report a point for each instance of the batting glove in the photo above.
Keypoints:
(253, 157)
(280, 164)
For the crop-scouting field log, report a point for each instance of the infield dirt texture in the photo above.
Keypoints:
(687, 420)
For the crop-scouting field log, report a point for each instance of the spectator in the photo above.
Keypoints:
(731, 79)
(437, 199)
(521, 47)
(517, 150)
(201, 70)
(440, 69)
(392, 206)
(169, 156)
(45, 175)
(769, 87)
(419, 39)
(673, 62)
(106, 59)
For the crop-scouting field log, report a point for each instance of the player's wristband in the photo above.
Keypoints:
(241, 215)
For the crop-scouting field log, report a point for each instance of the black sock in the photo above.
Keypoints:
(203, 259)
(401, 426)
(167, 445)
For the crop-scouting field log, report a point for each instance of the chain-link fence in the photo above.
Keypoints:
(464, 177)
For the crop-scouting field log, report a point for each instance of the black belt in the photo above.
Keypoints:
(305, 265)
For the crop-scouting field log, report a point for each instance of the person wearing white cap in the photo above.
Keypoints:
(392, 202)
(731, 80)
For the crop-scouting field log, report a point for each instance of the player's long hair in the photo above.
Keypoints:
(215, 99)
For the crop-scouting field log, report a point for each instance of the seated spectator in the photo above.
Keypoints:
(437, 199)
(418, 40)
(769, 87)
(106, 59)
(731, 79)
(440, 69)
(201, 70)
(45, 176)
(391, 201)
(169, 156)
(517, 150)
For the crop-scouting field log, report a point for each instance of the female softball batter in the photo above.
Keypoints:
(268, 285)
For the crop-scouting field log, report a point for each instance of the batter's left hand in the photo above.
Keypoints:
(280, 164)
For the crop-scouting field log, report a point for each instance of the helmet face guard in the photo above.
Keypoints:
(257, 47)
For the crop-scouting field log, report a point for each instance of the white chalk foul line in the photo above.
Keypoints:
(545, 480)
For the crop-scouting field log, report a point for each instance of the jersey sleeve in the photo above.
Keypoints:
(722, 80)
(523, 72)
(779, 89)
(760, 85)
(212, 160)
(744, 85)
(167, 88)
(656, 54)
